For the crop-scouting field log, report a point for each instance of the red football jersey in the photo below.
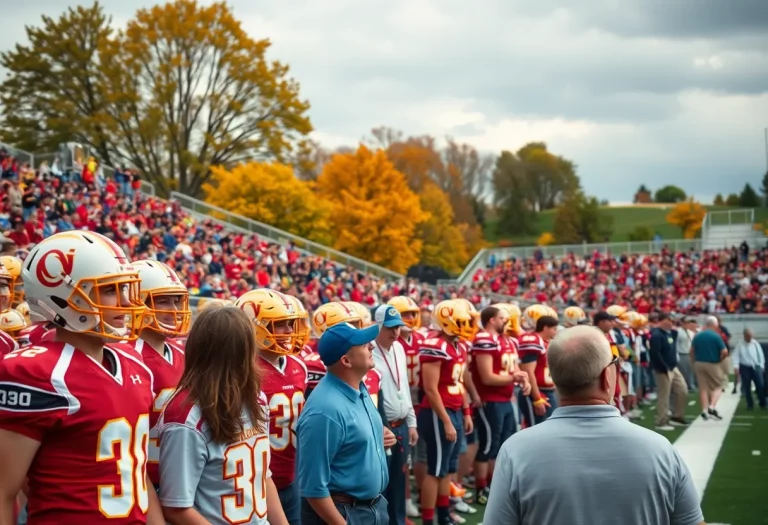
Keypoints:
(453, 362)
(532, 344)
(412, 345)
(36, 333)
(316, 370)
(372, 381)
(7, 344)
(284, 385)
(167, 370)
(502, 363)
(92, 427)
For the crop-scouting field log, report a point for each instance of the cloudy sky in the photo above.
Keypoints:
(633, 91)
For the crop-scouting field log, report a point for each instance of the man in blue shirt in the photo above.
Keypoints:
(342, 463)
(707, 351)
(662, 352)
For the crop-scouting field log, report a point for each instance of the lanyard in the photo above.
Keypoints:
(395, 378)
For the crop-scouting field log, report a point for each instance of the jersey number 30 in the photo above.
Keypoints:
(243, 464)
(286, 412)
(118, 502)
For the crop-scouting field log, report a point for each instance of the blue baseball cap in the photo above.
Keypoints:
(340, 338)
(388, 316)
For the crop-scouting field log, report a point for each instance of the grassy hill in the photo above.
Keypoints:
(625, 220)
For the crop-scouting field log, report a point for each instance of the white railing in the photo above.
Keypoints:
(23, 156)
(227, 218)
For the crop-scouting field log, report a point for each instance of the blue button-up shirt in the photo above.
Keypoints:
(341, 443)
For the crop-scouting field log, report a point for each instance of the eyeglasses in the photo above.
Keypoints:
(614, 361)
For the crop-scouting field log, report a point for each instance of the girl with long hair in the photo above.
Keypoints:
(214, 443)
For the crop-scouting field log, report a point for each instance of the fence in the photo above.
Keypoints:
(205, 210)
(20, 154)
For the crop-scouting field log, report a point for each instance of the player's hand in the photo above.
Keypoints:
(476, 402)
(450, 432)
(413, 436)
(539, 410)
(468, 424)
(389, 438)
(526, 388)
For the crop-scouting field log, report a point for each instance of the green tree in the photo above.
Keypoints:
(732, 200)
(670, 194)
(719, 201)
(580, 219)
(749, 197)
(516, 215)
(764, 189)
(548, 177)
(51, 93)
(641, 233)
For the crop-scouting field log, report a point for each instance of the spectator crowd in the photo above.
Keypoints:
(215, 262)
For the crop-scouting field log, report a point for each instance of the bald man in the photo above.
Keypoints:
(574, 468)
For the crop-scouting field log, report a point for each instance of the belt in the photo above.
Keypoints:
(346, 499)
(396, 423)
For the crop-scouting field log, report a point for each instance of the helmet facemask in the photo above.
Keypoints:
(167, 312)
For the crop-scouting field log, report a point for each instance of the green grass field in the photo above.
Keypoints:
(737, 492)
(625, 220)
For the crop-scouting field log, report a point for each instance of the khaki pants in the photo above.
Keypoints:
(665, 383)
(727, 369)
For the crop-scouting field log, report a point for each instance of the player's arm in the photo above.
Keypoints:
(484, 363)
(16, 454)
(155, 511)
(275, 514)
(528, 365)
(183, 454)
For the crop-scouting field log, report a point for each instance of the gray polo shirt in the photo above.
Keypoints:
(586, 465)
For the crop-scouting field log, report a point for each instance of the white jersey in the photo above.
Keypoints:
(225, 482)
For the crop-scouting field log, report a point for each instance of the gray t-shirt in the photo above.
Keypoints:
(226, 483)
(586, 465)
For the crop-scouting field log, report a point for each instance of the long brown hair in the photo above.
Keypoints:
(221, 373)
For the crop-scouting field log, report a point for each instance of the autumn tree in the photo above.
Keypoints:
(374, 213)
(579, 219)
(732, 200)
(749, 197)
(548, 177)
(669, 194)
(271, 193)
(181, 89)
(688, 216)
(51, 93)
(643, 195)
(545, 239)
(516, 215)
(719, 201)
(443, 243)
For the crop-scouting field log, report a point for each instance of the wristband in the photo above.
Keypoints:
(467, 411)
(540, 401)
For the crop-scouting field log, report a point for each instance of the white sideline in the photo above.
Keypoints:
(699, 445)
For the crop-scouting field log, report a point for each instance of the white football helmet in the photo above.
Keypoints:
(82, 282)
(11, 322)
(6, 289)
(157, 280)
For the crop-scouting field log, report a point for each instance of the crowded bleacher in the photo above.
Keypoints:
(214, 262)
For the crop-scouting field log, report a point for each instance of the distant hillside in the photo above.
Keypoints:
(625, 219)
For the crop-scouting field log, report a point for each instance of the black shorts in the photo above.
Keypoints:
(442, 455)
(495, 422)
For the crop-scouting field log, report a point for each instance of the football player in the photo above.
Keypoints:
(495, 374)
(214, 443)
(12, 323)
(167, 316)
(7, 343)
(533, 359)
(444, 411)
(74, 414)
(37, 329)
(278, 329)
(574, 316)
(13, 265)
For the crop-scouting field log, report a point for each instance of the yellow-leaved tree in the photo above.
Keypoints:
(688, 216)
(443, 241)
(545, 239)
(271, 193)
(374, 213)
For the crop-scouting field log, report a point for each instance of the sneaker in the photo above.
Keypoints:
(712, 412)
(461, 506)
(733, 391)
(665, 428)
(675, 422)
(457, 491)
(468, 481)
(455, 518)
(652, 396)
(482, 496)
(636, 413)
(704, 416)
(411, 509)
